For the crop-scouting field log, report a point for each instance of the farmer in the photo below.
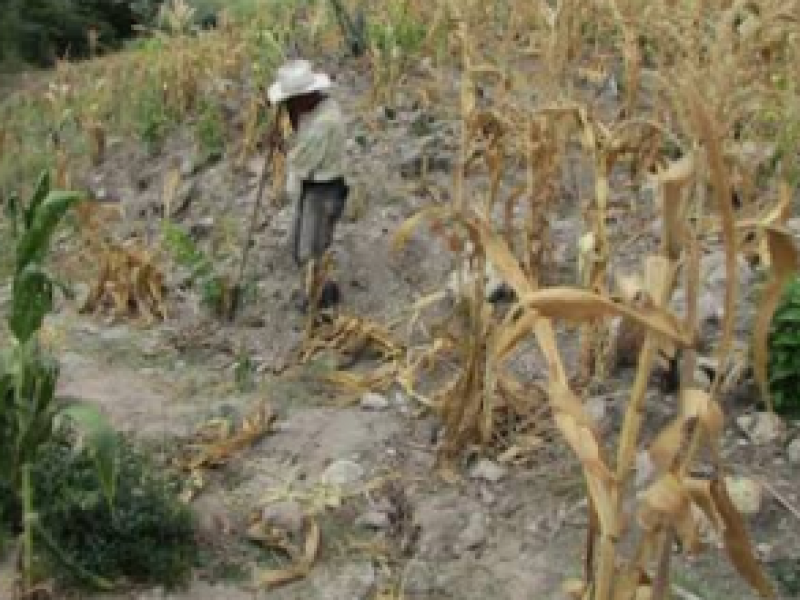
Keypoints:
(314, 178)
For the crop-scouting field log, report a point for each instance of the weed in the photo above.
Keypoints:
(209, 131)
(148, 537)
(152, 115)
(244, 373)
(213, 286)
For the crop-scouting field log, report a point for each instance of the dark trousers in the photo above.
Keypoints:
(317, 213)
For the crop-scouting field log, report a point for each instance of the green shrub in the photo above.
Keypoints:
(209, 131)
(37, 31)
(147, 537)
(152, 116)
(400, 32)
(784, 352)
(204, 276)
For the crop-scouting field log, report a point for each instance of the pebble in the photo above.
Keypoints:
(373, 401)
(487, 497)
(597, 409)
(115, 334)
(644, 470)
(343, 473)
(419, 579)
(793, 452)
(286, 515)
(488, 470)
(745, 493)
(374, 519)
(762, 428)
(474, 534)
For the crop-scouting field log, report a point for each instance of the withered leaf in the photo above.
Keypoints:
(737, 541)
(784, 262)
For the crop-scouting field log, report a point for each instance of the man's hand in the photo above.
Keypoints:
(275, 138)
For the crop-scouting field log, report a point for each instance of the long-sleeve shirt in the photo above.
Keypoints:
(317, 153)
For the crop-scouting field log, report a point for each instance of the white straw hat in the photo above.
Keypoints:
(296, 78)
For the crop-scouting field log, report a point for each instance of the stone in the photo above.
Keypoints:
(488, 470)
(343, 473)
(82, 292)
(597, 409)
(354, 581)
(255, 166)
(374, 519)
(644, 470)
(487, 497)
(793, 451)
(419, 579)
(702, 379)
(762, 427)
(286, 515)
(746, 494)
(114, 334)
(202, 227)
(373, 401)
(186, 193)
(474, 534)
(213, 517)
(425, 155)
(282, 222)
(191, 164)
(712, 270)
(495, 288)
(439, 522)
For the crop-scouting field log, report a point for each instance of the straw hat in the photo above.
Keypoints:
(296, 78)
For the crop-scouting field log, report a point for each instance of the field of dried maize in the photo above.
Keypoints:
(627, 170)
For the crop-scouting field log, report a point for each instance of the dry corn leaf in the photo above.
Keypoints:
(404, 232)
(130, 282)
(629, 583)
(575, 426)
(581, 305)
(698, 404)
(218, 449)
(512, 333)
(784, 261)
(663, 502)
(671, 183)
(667, 446)
(699, 491)
(273, 578)
(737, 541)
(172, 183)
(574, 589)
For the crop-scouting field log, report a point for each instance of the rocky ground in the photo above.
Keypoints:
(365, 467)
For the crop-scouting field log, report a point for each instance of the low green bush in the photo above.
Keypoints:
(146, 537)
(784, 353)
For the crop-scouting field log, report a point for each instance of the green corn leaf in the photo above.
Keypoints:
(100, 439)
(32, 299)
(39, 195)
(35, 242)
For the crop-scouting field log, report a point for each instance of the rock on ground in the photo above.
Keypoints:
(343, 473)
(794, 452)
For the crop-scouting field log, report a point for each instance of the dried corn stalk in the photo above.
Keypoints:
(129, 284)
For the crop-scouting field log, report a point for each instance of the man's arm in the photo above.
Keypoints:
(306, 156)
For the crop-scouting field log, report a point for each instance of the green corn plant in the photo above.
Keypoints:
(353, 27)
(30, 411)
(212, 285)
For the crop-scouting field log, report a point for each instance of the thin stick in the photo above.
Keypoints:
(253, 219)
(782, 499)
